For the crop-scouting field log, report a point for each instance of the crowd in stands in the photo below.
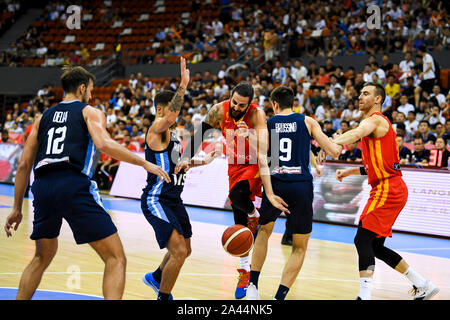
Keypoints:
(416, 102)
(418, 109)
(10, 11)
(245, 29)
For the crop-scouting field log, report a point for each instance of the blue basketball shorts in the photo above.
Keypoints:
(299, 196)
(165, 215)
(72, 196)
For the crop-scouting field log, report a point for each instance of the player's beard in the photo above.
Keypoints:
(236, 115)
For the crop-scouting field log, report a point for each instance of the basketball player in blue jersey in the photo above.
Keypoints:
(161, 201)
(287, 185)
(62, 144)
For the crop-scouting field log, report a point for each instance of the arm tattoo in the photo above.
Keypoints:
(214, 116)
(177, 100)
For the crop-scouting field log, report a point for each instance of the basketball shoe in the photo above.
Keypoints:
(426, 292)
(151, 282)
(252, 292)
(241, 288)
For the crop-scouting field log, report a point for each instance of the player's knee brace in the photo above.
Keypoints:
(390, 257)
(366, 257)
(240, 196)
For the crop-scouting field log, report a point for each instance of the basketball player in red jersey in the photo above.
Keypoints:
(239, 120)
(387, 197)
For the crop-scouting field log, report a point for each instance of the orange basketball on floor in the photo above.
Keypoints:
(237, 240)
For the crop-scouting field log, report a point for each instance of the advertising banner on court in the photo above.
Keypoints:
(9, 161)
(427, 210)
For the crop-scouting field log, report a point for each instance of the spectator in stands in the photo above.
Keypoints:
(299, 72)
(270, 43)
(411, 124)
(334, 119)
(440, 98)
(379, 72)
(404, 153)
(353, 153)
(368, 72)
(9, 122)
(338, 100)
(98, 104)
(404, 106)
(446, 135)
(434, 116)
(198, 118)
(16, 128)
(439, 157)
(425, 133)
(188, 126)
(427, 75)
(407, 64)
(392, 88)
(328, 128)
(5, 137)
(420, 155)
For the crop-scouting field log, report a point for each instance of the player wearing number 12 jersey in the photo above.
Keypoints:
(62, 145)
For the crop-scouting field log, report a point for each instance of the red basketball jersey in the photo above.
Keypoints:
(238, 150)
(380, 156)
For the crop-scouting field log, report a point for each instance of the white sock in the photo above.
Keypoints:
(255, 214)
(365, 288)
(245, 263)
(415, 278)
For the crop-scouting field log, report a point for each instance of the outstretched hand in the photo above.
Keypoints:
(184, 73)
(278, 203)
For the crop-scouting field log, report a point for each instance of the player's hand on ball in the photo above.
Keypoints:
(278, 203)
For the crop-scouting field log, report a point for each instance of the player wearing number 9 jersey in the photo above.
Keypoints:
(288, 182)
(62, 145)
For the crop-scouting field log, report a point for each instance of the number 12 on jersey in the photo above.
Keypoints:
(55, 142)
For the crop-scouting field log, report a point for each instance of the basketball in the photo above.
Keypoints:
(237, 240)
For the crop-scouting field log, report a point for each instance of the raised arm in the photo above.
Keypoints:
(366, 127)
(162, 124)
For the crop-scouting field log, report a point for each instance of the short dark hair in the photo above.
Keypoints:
(379, 90)
(401, 125)
(419, 138)
(424, 121)
(163, 98)
(284, 96)
(73, 77)
(244, 89)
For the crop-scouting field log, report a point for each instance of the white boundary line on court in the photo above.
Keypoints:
(57, 291)
(231, 275)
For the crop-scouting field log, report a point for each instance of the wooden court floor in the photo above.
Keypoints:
(329, 271)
